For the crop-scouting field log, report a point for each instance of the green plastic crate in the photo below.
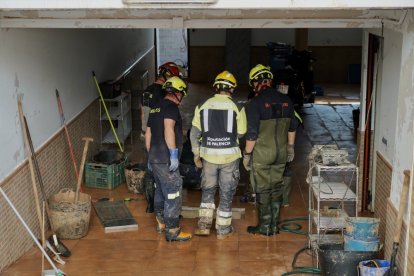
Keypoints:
(103, 176)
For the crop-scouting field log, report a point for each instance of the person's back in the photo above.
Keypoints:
(218, 122)
(154, 92)
(269, 117)
(164, 108)
(219, 117)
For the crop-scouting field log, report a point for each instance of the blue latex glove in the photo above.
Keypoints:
(173, 159)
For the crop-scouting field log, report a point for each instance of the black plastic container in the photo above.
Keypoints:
(109, 157)
(110, 90)
(336, 261)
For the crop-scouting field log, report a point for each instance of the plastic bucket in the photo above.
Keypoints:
(362, 228)
(352, 244)
(70, 221)
(336, 261)
(373, 267)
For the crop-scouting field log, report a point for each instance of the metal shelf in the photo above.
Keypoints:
(109, 137)
(333, 191)
(330, 185)
(119, 110)
(330, 223)
(314, 239)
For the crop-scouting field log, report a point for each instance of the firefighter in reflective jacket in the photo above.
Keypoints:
(270, 138)
(218, 122)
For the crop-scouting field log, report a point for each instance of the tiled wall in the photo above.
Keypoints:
(392, 214)
(57, 172)
(382, 192)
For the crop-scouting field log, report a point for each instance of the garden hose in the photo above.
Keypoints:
(289, 225)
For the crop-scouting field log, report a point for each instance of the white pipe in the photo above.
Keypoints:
(58, 272)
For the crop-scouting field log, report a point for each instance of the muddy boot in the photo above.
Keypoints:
(160, 222)
(264, 225)
(175, 234)
(223, 236)
(205, 221)
(275, 208)
(223, 224)
(149, 184)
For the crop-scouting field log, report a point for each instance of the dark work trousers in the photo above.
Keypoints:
(168, 194)
(226, 178)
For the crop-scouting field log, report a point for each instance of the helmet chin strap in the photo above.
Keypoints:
(260, 85)
(175, 96)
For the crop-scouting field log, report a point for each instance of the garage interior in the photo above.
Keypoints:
(41, 59)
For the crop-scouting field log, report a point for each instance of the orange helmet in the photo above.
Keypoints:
(168, 70)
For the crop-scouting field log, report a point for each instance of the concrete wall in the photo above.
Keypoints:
(335, 37)
(334, 50)
(316, 37)
(172, 45)
(394, 113)
(35, 62)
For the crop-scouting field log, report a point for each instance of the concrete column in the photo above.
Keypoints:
(301, 39)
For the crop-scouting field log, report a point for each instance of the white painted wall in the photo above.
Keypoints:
(219, 4)
(403, 158)
(34, 62)
(387, 94)
(172, 45)
(316, 37)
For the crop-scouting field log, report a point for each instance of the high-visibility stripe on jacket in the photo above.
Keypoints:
(220, 121)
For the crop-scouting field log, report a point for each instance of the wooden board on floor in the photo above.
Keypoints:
(115, 216)
(192, 212)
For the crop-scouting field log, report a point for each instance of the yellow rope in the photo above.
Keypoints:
(106, 111)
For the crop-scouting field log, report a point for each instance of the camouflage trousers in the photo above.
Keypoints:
(168, 194)
(225, 177)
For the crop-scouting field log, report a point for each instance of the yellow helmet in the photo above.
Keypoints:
(175, 84)
(260, 72)
(225, 80)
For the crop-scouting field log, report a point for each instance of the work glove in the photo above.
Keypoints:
(290, 153)
(173, 160)
(142, 136)
(197, 159)
(246, 161)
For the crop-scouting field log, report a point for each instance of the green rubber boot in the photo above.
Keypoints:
(275, 209)
(264, 225)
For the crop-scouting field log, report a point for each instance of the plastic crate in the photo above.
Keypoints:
(104, 176)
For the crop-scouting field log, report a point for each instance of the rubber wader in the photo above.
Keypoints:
(269, 159)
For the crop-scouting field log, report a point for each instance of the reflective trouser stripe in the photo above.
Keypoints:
(223, 218)
(207, 205)
(232, 150)
(224, 214)
(174, 195)
(223, 221)
(204, 212)
(230, 121)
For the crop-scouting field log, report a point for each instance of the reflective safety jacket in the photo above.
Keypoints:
(220, 121)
